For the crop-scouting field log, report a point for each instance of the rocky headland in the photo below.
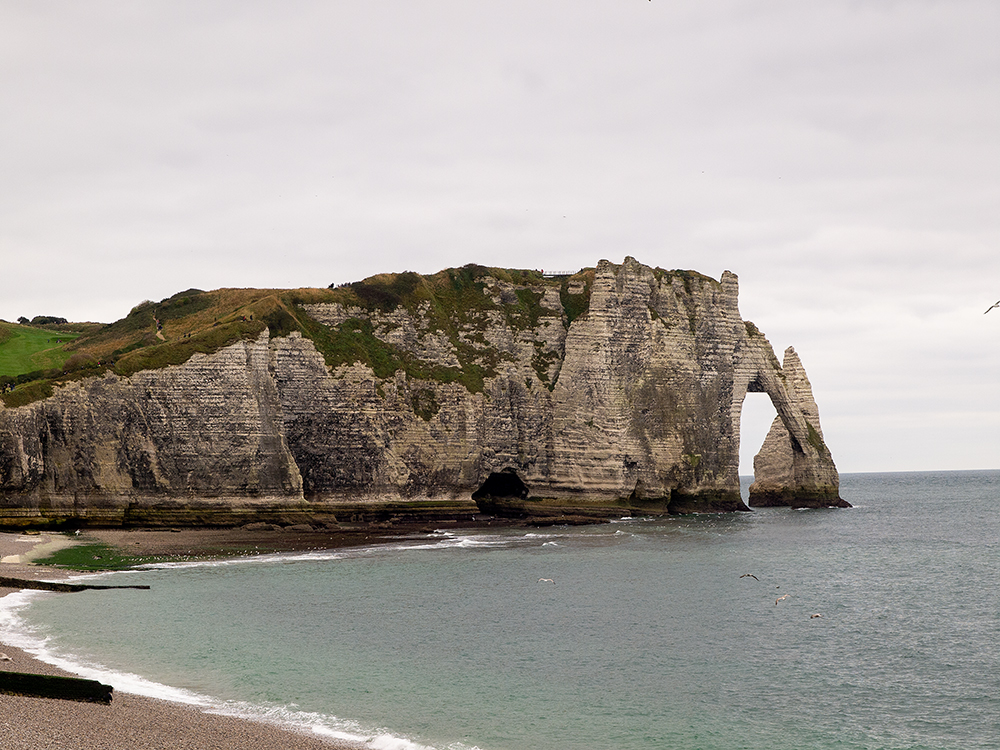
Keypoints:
(615, 390)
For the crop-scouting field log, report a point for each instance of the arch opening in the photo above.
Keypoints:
(756, 418)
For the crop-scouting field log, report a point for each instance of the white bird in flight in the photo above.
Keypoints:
(996, 304)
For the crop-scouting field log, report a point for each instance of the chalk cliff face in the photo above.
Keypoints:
(618, 391)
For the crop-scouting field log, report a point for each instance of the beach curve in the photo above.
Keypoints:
(131, 721)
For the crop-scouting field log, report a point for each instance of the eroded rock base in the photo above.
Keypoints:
(793, 499)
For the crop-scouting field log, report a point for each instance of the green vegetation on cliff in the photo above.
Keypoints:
(26, 349)
(459, 303)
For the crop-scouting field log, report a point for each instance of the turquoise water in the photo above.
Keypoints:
(648, 636)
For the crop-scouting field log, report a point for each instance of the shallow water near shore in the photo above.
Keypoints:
(647, 636)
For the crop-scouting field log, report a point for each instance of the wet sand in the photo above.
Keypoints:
(130, 721)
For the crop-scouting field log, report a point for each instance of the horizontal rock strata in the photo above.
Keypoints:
(617, 390)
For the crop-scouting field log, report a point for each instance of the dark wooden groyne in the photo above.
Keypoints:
(23, 583)
(51, 686)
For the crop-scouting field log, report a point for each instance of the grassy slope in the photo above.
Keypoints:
(156, 335)
(26, 349)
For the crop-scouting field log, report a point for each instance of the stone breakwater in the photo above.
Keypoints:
(619, 391)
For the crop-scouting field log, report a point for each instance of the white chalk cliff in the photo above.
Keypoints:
(618, 389)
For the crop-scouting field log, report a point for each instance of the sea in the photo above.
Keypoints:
(871, 627)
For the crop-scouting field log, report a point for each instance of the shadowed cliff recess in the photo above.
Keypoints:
(615, 389)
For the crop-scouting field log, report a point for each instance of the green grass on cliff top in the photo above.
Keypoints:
(27, 349)
(158, 334)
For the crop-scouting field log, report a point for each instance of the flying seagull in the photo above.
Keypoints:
(813, 617)
(547, 580)
(996, 304)
(750, 575)
(780, 598)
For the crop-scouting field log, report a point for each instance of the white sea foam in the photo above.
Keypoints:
(268, 559)
(432, 545)
(471, 541)
(636, 519)
(461, 542)
(324, 725)
(315, 723)
(12, 629)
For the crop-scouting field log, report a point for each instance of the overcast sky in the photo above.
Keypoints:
(842, 158)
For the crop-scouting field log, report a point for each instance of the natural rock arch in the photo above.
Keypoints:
(793, 466)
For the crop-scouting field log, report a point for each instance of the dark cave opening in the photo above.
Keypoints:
(504, 483)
